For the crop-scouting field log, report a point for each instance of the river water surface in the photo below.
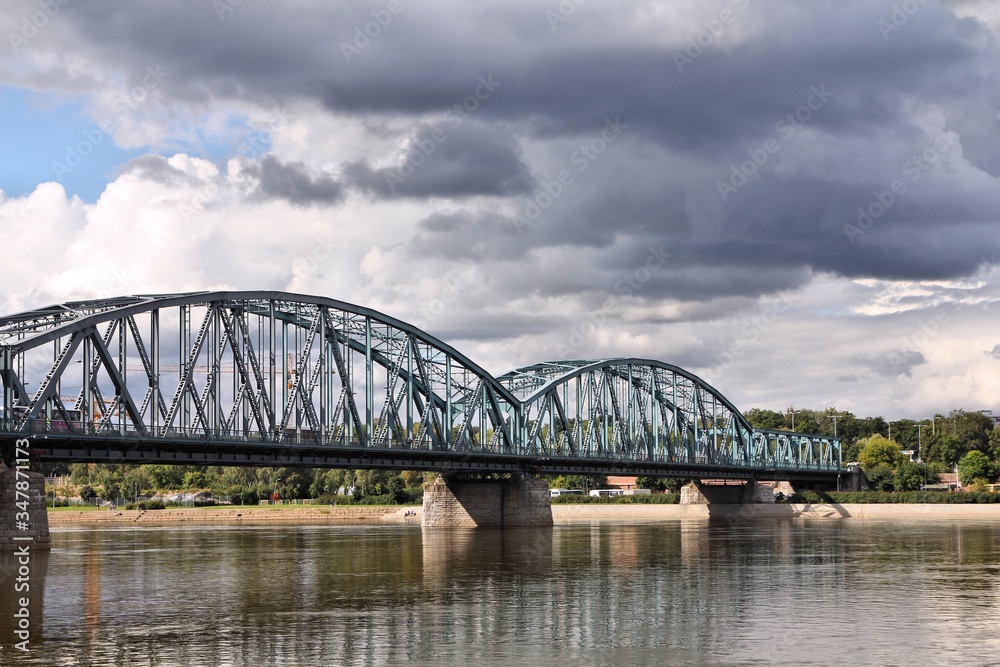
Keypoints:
(777, 592)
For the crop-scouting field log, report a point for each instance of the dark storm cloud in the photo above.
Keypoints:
(455, 159)
(848, 104)
(292, 182)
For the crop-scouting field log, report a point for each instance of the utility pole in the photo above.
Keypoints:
(834, 418)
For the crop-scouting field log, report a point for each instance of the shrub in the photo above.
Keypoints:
(879, 497)
(652, 499)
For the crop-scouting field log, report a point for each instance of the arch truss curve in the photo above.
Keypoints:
(649, 411)
(246, 366)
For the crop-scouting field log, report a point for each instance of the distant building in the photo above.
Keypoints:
(994, 418)
(621, 482)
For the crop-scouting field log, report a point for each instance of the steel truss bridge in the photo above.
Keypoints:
(270, 378)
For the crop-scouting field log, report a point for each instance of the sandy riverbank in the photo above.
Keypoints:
(561, 513)
(298, 514)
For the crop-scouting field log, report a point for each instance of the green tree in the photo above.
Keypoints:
(137, 479)
(994, 444)
(651, 483)
(412, 478)
(195, 479)
(295, 482)
(765, 419)
(111, 479)
(911, 476)
(944, 448)
(974, 465)
(879, 451)
(79, 473)
(880, 477)
(973, 429)
(165, 476)
(327, 482)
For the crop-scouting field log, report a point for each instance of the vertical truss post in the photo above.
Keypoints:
(410, 346)
(216, 379)
(447, 402)
(272, 366)
(324, 374)
(123, 369)
(6, 370)
(154, 371)
(369, 382)
(283, 420)
(88, 360)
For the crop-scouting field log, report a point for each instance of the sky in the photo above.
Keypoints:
(799, 202)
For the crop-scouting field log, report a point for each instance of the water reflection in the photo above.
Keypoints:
(22, 579)
(693, 593)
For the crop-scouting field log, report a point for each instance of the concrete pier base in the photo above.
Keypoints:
(749, 492)
(519, 501)
(22, 516)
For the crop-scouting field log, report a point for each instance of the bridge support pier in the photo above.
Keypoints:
(518, 501)
(745, 493)
(14, 530)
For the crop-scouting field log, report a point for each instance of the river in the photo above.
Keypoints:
(777, 592)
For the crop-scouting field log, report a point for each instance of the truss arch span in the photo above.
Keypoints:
(246, 366)
(628, 408)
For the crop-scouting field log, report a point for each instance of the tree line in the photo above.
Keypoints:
(961, 439)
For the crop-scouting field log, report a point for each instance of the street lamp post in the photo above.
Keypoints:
(834, 418)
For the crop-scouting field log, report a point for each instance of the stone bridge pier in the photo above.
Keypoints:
(495, 503)
(741, 493)
(23, 515)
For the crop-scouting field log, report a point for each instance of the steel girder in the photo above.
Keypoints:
(253, 377)
(250, 366)
(649, 411)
